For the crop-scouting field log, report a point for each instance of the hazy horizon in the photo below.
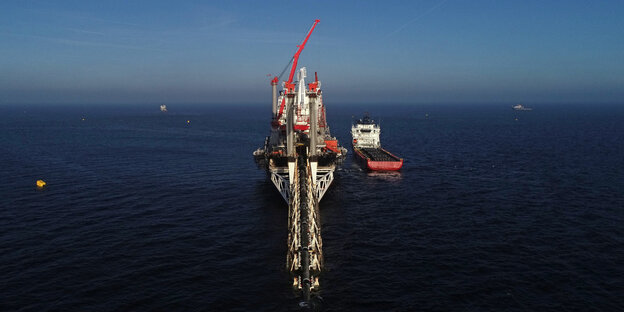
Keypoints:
(446, 52)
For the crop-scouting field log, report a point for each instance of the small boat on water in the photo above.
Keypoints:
(521, 107)
(367, 146)
(163, 108)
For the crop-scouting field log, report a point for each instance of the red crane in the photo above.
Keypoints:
(290, 87)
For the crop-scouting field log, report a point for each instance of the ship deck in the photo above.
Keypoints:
(377, 154)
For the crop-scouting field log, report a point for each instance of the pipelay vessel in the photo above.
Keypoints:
(300, 155)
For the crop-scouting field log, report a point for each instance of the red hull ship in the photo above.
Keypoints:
(367, 147)
(379, 159)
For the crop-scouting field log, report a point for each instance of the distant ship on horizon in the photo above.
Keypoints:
(521, 107)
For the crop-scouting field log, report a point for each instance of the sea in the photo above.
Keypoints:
(493, 210)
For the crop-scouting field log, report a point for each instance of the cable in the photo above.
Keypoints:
(285, 68)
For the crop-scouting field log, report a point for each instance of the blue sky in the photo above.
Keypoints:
(364, 51)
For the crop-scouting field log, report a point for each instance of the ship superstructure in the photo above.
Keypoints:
(301, 155)
(365, 133)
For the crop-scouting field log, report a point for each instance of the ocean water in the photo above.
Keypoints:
(494, 210)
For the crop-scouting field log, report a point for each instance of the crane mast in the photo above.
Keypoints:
(288, 85)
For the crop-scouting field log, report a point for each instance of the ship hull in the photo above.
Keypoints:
(378, 159)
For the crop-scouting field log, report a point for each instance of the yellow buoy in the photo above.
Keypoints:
(188, 121)
(41, 183)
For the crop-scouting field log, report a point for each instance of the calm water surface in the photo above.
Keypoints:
(145, 211)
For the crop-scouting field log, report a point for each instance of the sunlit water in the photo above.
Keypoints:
(145, 211)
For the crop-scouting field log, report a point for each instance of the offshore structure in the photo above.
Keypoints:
(300, 156)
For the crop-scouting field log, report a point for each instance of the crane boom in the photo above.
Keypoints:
(289, 86)
(296, 56)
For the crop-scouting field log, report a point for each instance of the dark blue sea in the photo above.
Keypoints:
(494, 210)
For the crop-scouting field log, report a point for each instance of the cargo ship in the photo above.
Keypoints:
(367, 146)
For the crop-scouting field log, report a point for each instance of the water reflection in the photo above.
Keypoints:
(390, 176)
